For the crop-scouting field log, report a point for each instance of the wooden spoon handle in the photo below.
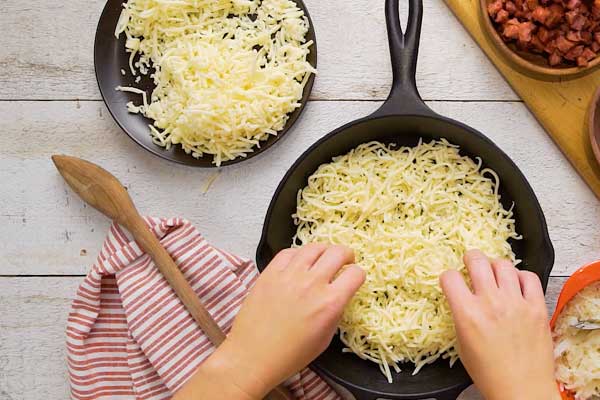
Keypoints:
(167, 267)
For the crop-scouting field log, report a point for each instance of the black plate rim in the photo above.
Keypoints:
(207, 160)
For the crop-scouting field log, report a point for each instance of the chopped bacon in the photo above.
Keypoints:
(555, 58)
(573, 4)
(544, 34)
(574, 53)
(532, 4)
(511, 29)
(588, 54)
(502, 16)
(525, 31)
(540, 14)
(564, 31)
(494, 7)
(510, 7)
(555, 16)
(575, 20)
(536, 44)
(564, 45)
(574, 36)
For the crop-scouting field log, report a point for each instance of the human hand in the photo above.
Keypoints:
(287, 320)
(504, 340)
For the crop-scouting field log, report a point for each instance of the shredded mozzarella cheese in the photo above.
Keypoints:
(409, 213)
(577, 352)
(227, 72)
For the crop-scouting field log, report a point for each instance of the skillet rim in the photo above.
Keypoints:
(547, 242)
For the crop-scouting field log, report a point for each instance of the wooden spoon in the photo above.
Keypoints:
(104, 192)
(594, 124)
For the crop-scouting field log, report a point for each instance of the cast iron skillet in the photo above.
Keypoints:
(110, 57)
(403, 119)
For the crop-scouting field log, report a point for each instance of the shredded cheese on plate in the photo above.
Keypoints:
(409, 213)
(227, 72)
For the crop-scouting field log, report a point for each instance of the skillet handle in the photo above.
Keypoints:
(404, 97)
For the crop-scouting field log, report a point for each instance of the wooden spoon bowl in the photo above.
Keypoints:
(532, 63)
(594, 124)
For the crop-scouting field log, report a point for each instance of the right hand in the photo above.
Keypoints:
(504, 339)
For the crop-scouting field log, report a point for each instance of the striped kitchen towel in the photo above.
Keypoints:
(129, 337)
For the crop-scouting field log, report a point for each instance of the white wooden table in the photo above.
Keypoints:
(49, 103)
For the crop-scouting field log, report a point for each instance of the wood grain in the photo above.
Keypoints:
(36, 309)
(51, 231)
(46, 53)
(560, 104)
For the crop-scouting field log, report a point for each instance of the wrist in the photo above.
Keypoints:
(230, 364)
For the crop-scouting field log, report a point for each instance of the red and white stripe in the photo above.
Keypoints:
(129, 337)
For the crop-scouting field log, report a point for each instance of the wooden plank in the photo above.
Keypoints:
(32, 338)
(46, 52)
(51, 232)
(560, 104)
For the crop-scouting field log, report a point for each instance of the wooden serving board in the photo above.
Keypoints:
(559, 104)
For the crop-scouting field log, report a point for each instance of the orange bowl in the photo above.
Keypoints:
(576, 283)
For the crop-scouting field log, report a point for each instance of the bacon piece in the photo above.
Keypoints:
(576, 20)
(536, 44)
(574, 36)
(563, 44)
(544, 34)
(502, 16)
(540, 14)
(554, 59)
(510, 7)
(588, 54)
(556, 15)
(574, 53)
(494, 7)
(573, 4)
(525, 31)
(511, 29)
(531, 4)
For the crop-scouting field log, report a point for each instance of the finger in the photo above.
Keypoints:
(456, 290)
(348, 282)
(331, 261)
(282, 259)
(307, 256)
(531, 287)
(480, 271)
(507, 277)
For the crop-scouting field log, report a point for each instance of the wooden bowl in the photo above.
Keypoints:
(530, 62)
(594, 124)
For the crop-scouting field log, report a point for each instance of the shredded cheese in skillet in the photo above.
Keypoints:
(577, 352)
(227, 72)
(409, 213)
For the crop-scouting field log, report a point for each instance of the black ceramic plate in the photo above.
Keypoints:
(110, 57)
